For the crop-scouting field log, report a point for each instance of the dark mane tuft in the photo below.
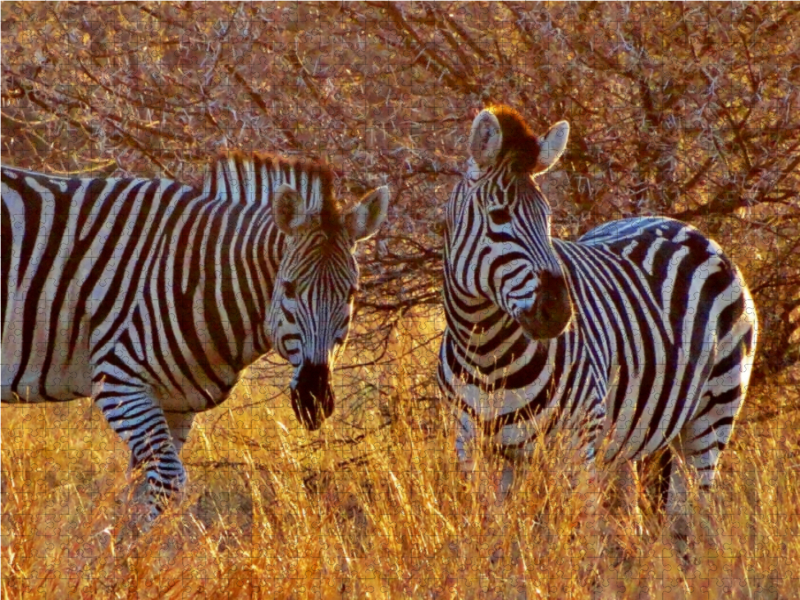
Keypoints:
(519, 141)
(331, 211)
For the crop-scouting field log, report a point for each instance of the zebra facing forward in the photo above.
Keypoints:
(640, 334)
(152, 297)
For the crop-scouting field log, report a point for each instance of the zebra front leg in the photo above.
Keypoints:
(627, 490)
(464, 439)
(492, 485)
(697, 452)
(582, 437)
(488, 486)
(180, 424)
(139, 420)
(583, 434)
(624, 493)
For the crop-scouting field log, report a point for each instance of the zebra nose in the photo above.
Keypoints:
(550, 314)
(312, 395)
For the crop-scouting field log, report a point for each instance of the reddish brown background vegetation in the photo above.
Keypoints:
(686, 110)
(690, 111)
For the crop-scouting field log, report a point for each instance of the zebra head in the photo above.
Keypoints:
(312, 299)
(501, 231)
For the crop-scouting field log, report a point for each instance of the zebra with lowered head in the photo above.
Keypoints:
(152, 297)
(639, 335)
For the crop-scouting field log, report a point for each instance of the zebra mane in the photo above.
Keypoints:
(235, 165)
(519, 141)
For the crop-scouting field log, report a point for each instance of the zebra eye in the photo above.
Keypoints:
(500, 216)
(289, 289)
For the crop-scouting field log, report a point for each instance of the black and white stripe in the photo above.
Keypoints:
(640, 334)
(152, 297)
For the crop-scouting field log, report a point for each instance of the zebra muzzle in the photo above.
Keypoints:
(312, 395)
(550, 314)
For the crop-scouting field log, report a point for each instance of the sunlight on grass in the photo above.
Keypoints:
(273, 512)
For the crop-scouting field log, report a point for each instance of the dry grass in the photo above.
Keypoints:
(272, 512)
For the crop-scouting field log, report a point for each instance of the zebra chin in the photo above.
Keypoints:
(312, 395)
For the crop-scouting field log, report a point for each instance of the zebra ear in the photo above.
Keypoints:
(364, 220)
(485, 139)
(287, 210)
(552, 146)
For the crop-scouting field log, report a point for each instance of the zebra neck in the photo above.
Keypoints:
(488, 338)
(226, 276)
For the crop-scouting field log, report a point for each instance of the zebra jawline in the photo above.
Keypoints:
(312, 395)
(541, 334)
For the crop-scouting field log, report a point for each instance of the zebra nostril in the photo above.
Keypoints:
(544, 310)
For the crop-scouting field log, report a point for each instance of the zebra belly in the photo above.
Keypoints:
(38, 363)
(182, 383)
(193, 399)
(636, 434)
(635, 425)
(653, 407)
(46, 336)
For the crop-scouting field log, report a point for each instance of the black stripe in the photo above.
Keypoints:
(6, 233)
(45, 265)
(82, 246)
(120, 220)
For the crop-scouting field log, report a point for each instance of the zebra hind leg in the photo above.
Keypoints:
(695, 455)
(139, 420)
(707, 435)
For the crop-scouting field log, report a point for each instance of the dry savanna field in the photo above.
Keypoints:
(686, 110)
(372, 509)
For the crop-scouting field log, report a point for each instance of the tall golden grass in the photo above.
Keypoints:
(274, 512)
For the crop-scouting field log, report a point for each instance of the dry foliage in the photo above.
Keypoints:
(272, 513)
(691, 111)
